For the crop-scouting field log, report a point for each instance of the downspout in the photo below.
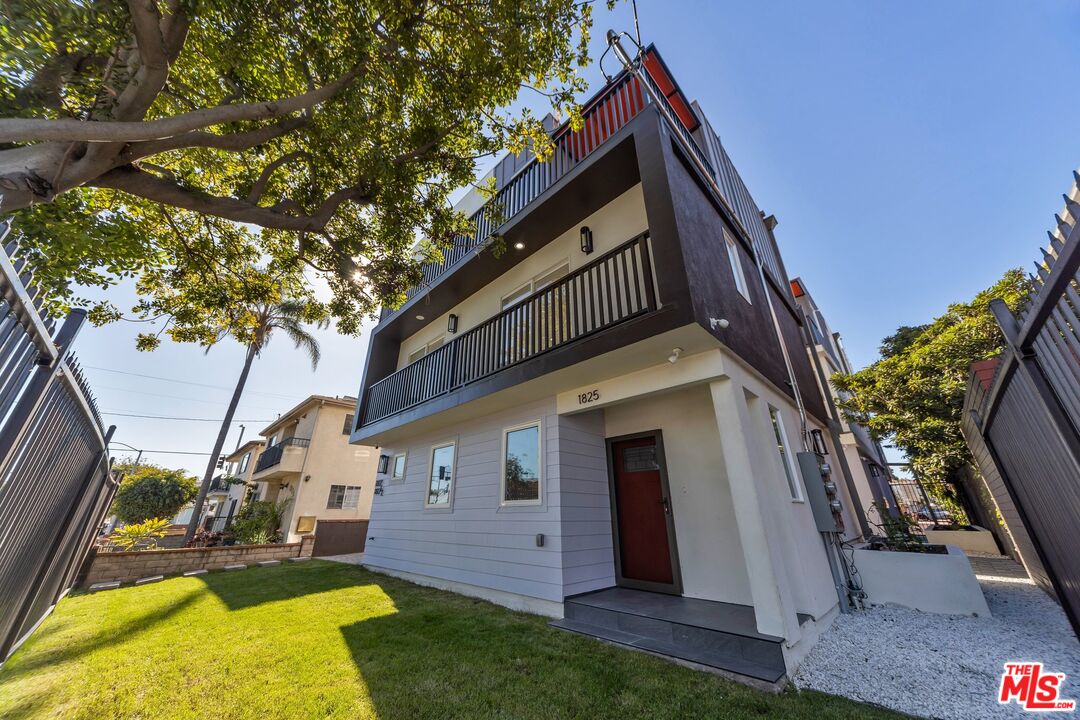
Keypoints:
(660, 104)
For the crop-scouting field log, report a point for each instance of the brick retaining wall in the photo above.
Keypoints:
(130, 566)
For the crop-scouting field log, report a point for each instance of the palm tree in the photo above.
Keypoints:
(286, 316)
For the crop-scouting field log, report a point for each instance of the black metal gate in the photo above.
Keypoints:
(1029, 416)
(55, 482)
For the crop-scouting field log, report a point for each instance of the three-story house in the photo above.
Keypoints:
(603, 423)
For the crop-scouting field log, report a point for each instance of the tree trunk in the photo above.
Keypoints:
(211, 465)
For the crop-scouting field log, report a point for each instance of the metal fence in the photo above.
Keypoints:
(55, 481)
(1029, 417)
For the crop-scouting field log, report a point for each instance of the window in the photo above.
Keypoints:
(785, 452)
(441, 481)
(271, 442)
(346, 429)
(343, 497)
(521, 465)
(244, 463)
(425, 350)
(399, 468)
(524, 331)
(736, 265)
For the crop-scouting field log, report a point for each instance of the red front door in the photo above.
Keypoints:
(642, 513)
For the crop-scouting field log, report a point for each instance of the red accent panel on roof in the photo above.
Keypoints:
(654, 65)
(796, 289)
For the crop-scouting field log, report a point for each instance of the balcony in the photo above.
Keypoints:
(611, 290)
(285, 457)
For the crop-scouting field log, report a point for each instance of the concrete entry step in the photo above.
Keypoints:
(717, 635)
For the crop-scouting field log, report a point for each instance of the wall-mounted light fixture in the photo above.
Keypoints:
(384, 463)
(451, 324)
(817, 439)
(674, 356)
(586, 240)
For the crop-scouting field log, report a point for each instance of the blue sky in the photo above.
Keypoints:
(912, 151)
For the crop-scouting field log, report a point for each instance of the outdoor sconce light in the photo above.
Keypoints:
(451, 324)
(384, 462)
(818, 441)
(586, 240)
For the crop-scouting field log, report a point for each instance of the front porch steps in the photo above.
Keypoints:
(717, 635)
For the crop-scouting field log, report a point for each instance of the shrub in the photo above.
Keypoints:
(140, 536)
(259, 522)
(150, 491)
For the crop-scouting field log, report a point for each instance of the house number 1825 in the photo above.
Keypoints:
(587, 397)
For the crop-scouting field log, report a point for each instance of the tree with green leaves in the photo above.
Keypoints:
(150, 491)
(914, 394)
(178, 140)
(258, 325)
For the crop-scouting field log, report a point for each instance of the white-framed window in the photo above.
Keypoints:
(425, 349)
(441, 478)
(343, 497)
(244, 464)
(786, 458)
(736, 265)
(537, 283)
(521, 465)
(397, 468)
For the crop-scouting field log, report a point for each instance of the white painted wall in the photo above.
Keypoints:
(617, 222)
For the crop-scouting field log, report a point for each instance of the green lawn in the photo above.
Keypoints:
(319, 640)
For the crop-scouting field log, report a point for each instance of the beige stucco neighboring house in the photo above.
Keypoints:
(308, 460)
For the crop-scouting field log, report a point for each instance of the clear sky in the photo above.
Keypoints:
(912, 151)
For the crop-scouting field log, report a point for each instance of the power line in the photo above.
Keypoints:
(175, 452)
(188, 382)
(170, 417)
(177, 397)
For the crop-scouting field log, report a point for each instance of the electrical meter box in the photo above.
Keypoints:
(821, 492)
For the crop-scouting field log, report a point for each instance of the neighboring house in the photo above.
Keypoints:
(308, 461)
(863, 459)
(228, 490)
(602, 422)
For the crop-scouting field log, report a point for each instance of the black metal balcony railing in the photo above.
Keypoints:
(613, 289)
(272, 456)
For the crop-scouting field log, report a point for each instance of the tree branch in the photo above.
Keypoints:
(151, 187)
(40, 129)
(234, 142)
(264, 177)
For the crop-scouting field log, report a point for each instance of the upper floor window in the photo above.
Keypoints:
(244, 463)
(425, 349)
(346, 429)
(537, 283)
(736, 265)
(441, 481)
(343, 497)
(521, 465)
(785, 453)
(271, 441)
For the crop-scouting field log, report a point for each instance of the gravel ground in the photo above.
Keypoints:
(946, 666)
